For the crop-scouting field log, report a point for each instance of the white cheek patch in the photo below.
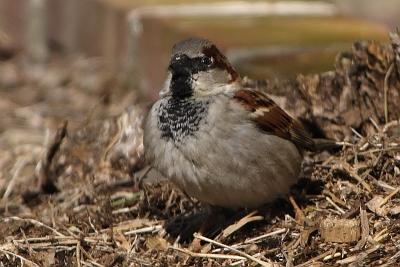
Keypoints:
(166, 90)
(200, 82)
(211, 82)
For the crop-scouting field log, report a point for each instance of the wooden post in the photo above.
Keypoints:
(134, 74)
(36, 31)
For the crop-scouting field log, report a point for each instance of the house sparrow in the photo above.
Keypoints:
(221, 143)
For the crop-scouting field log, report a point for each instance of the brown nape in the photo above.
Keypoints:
(220, 61)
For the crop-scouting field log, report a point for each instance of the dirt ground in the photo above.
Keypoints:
(70, 144)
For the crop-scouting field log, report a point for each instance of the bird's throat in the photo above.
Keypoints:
(181, 85)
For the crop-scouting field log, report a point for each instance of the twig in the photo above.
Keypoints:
(78, 255)
(380, 150)
(124, 210)
(239, 262)
(295, 243)
(258, 238)
(348, 169)
(142, 176)
(380, 235)
(131, 225)
(375, 124)
(95, 263)
(389, 125)
(26, 242)
(261, 262)
(149, 229)
(359, 256)
(335, 205)
(19, 257)
(332, 256)
(334, 198)
(92, 225)
(388, 197)
(19, 165)
(364, 229)
(40, 242)
(317, 258)
(385, 91)
(356, 133)
(208, 255)
(298, 212)
(395, 256)
(344, 143)
(384, 185)
(115, 139)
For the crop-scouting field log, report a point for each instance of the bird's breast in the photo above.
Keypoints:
(215, 154)
(178, 118)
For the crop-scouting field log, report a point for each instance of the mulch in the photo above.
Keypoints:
(70, 142)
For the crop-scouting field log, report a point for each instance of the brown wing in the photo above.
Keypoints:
(272, 119)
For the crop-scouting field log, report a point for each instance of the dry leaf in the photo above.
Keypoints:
(395, 210)
(375, 206)
(134, 224)
(157, 243)
(242, 222)
(122, 242)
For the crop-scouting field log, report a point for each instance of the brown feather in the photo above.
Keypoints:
(272, 119)
(220, 61)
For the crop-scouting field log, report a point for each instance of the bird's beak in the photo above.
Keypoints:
(179, 66)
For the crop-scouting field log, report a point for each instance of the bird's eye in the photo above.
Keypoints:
(208, 61)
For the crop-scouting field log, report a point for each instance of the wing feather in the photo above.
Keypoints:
(273, 119)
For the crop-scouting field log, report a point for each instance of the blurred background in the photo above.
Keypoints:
(263, 39)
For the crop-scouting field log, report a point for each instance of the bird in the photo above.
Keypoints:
(221, 143)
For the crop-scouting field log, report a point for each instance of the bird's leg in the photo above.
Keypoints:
(140, 182)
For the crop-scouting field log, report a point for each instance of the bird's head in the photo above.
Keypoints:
(198, 68)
